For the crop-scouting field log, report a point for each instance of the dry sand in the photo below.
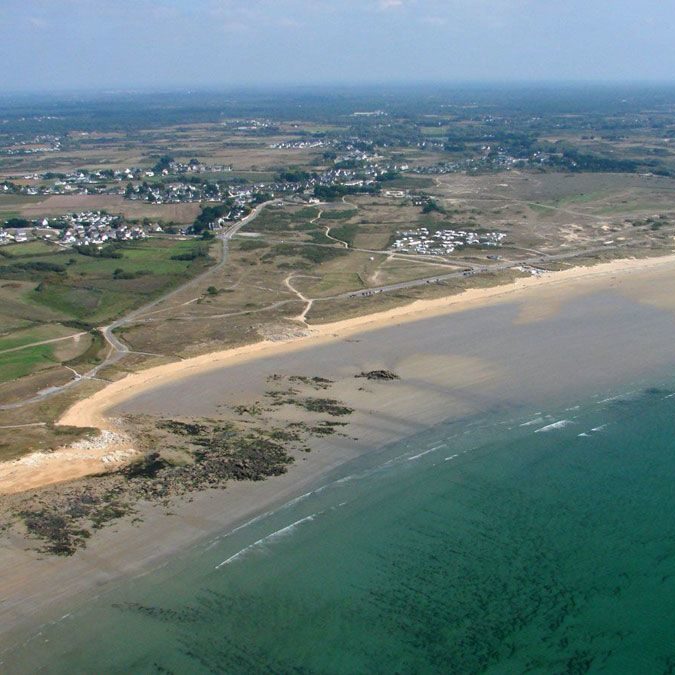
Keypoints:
(105, 452)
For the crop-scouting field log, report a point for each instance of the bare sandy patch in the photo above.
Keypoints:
(106, 452)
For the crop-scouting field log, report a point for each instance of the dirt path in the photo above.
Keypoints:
(23, 426)
(339, 241)
(308, 301)
(242, 312)
(43, 342)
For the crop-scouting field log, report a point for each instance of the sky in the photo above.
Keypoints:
(164, 44)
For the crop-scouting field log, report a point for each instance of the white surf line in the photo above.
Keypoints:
(594, 430)
(560, 424)
(255, 519)
(426, 452)
(536, 420)
(447, 459)
(302, 497)
(270, 537)
(289, 504)
(618, 397)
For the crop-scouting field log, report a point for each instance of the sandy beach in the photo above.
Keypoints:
(540, 339)
(539, 298)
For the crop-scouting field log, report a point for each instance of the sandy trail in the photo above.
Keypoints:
(308, 301)
(42, 342)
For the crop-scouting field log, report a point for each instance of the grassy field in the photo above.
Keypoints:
(252, 297)
(37, 333)
(95, 289)
(48, 294)
(12, 205)
(27, 249)
(25, 361)
(31, 356)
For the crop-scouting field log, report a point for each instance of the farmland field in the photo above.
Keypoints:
(58, 205)
(51, 293)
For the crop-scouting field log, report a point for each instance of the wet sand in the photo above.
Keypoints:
(607, 327)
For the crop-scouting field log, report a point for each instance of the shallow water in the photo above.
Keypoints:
(538, 542)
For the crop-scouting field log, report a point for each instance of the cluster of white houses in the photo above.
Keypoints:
(38, 144)
(14, 237)
(422, 242)
(299, 145)
(93, 228)
(79, 229)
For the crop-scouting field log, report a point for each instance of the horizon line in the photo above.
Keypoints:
(188, 89)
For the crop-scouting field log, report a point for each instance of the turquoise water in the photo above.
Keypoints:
(538, 543)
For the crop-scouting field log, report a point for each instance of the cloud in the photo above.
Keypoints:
(386, 5)
(288, 22)
(37, 22)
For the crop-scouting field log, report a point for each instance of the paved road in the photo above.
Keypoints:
(469, 271)
(118, 348)
(224, 236)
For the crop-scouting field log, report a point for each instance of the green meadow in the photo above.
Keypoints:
(49, 293)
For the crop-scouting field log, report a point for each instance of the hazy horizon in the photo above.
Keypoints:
(385, 86)
(146, 45)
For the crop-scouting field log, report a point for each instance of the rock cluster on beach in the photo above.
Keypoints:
(179, 456)
(175, 457)
(379, 375)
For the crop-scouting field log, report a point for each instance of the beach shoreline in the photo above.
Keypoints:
(36, 470)
(90, 412)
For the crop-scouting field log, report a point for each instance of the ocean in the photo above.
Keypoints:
(521, 541)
